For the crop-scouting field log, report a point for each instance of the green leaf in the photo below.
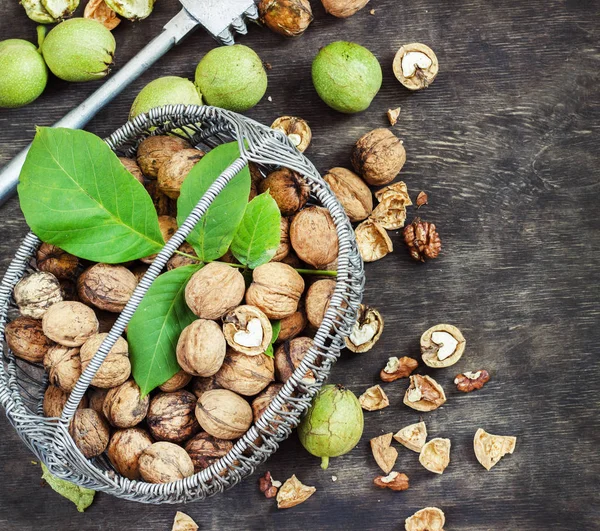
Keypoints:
(76, 194)
(213, 234)
(276, 326)
(258, 235)
(80, 496)
(155, 327)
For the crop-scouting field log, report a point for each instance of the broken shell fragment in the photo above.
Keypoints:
(374, 398)
(384, 454)
(296, 129)
(424, 393)
(435, 455)
(489, 449)
(372, 240)
(366, 330)
(413, 436)
(427, 519)
(293, 492)
(442, 346)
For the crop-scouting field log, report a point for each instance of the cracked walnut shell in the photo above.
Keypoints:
(435, 455)
(98, 10)
(424, 393)
(422, 240)
(378, 156)
(413, 436)
(247, 330)
(384, 454)
(427, 519)
(366, 330)
(442, 346)
(398, 368)
(293, 493)
(296, 129)
(70, 323)
(125, 448)
(25, 337)
(374, 398)
(351, 191)
(489, 449)
(183, 522)
(393, 481)
(373, 241)
(164, 462)
(390, 213)
(116, 367)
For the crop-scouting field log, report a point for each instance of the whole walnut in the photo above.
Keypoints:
(164, 462)
(132, 167)
(96, 399)
(204, 449)
(63, 366)
(90, 432)
(292, 326)
(288, 357)
(378, 156)
(214, 290)
(314, 237)
(201, 385)
(55, 400)
(201, 348)
(288, 189)
(125, 448)
(286, 17)
(352, 192)
(276, 289)
(26, 339)
(245, 375)
(70, 323)
(124, 406)
(262, 401)
(176, 382)
(107, 287)
(284, 241)
(343, 8)
(168, 227)
(54, 260)
(223, 414)
(317, 300)
(171, 416)
(175, 169)
(154, 151)
(178, 260)
(115, 368)
(35, 293)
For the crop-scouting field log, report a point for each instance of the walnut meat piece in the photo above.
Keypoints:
(415, 66)
(59, 263)
(289, 189)
(288, 357)
(131, 165)
(164, 462)
(384, 454)
(124, 406)
(296, 129)
(422, 240)
(175, 169)
(154, 151)
(314, 237)
(247, 330)
(489, 449)
(107, 287)
(276, 289)
(63, 366)
(393, 481)
(116, 367)
(245, 375)
(268, 486)
(424, 393)
(90, 432)
(214, 290)
(293, 493)
(471, 381)
(442, 346)
(413, 436)
(125, 448)
(398, 368)
(435, 455)
(352, 192)
(374, 398)
(390, 213)
(171, 416)
(201, 348)
(373, 241)
(55, 400)
(205, 450)
(176, 382)
(317, 301)
(35, 293)
(428, 519)
(366, 330)
(378, 156)
(25, 337)
(223, 414)
(70, 323)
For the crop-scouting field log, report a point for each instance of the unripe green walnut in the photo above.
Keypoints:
(168, 90)
(347, 76)
(79, 49)
(23, 73)
(333, 425)
(231, 77)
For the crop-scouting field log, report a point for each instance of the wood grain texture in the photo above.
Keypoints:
(505, 142)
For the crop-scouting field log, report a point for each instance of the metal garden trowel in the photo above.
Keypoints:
(221, 18)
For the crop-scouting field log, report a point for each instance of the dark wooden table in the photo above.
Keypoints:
(506, 144)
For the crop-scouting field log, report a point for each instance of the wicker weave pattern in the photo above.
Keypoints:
(22, 385)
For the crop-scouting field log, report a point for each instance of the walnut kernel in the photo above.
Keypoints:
(393, 481)
(422, 240)
(471, 381)
(398, 368)
(268, 486)
(247, 330)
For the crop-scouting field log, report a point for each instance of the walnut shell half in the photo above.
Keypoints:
(427, 519)
(413, 436)
(366, 330)
(489, 449)
(373, 241)
(442, 346)
(435, 455)
(247, 329)
(424, 393)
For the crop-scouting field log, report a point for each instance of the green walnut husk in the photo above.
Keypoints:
(131, 9)
(231, 77)
(80, 496)
(333, 425)
(60, 9)
(23, 73)
(168, 90)
(37, 12)
(79, 49)
(346, 76)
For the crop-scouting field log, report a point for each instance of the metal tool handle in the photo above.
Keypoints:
(173, 32)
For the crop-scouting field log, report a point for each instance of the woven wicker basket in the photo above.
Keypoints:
(22, 384)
